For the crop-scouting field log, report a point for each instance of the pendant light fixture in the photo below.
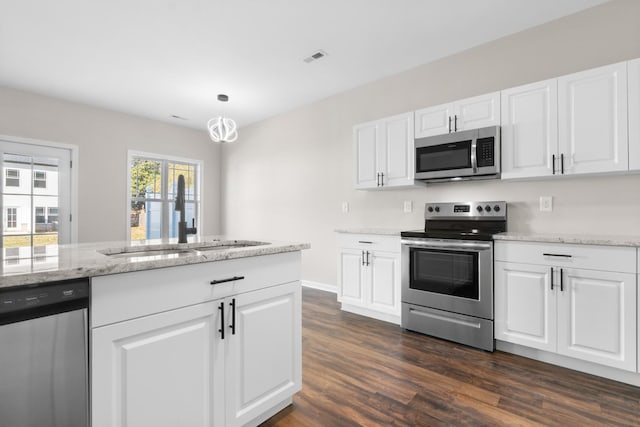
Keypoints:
(222, 129)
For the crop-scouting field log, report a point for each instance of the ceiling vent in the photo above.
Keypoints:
(315, 56)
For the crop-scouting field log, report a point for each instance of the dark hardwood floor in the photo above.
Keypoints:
(362, 372)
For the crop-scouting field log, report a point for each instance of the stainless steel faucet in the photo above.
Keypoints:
(183, 230)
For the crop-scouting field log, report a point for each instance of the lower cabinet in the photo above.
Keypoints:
(577, 312)
(369, 275)
(224, 362)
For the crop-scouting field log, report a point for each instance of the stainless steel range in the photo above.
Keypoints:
(447, 272)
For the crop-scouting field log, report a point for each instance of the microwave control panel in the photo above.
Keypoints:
(485, 152)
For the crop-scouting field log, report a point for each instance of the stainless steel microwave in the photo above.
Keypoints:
(464, 155)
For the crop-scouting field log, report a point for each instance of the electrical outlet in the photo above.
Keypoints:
(408, 206)
(345, 207)
(546, 203)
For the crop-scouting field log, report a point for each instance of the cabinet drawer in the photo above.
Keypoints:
(605, 258)
(126, 296)
(371, 242)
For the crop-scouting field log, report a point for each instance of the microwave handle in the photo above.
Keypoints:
(474, 158)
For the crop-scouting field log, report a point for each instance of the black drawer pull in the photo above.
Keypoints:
(365, 241)
(559, 255)
(230, 279)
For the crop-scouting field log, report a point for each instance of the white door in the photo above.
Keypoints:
(435, 120)
(365, 141)
(160, 370)
(529, 129)
(36, 199)
(477, 112)
(592, 120)
(397, 143)
(597, 317)
(351, 280)
(384, 293)
(633, 70)
(525, 305)
(264, 356)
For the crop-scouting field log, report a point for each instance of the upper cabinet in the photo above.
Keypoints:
(633, 75)
(575, 124)
(529, 129)
(471, 113)
(384, 153)
(592, 120)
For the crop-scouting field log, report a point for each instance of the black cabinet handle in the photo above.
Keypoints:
(381, 179)
(230, 279)
(232, 304)
(368, 258)
(455, 123)
(562, 163)
(449, 124)
(378, 179)
(561, 281)
(551, 278)
(221, 330)
(362, 257)
(558, 255)
(553, 163)
(365, 241)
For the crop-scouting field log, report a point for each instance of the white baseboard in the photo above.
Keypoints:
(320, 286)
(385, 317)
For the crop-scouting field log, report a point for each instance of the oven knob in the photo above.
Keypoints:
(430, 209)
(487, 208)
(479, 208)
(437, 209)
(496, 208)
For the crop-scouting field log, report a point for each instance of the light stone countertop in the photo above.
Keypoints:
(82, 260)
(574, 239)
(371, 230)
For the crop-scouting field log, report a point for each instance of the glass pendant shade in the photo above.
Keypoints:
(222, 129)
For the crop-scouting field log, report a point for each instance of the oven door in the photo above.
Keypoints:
(450, 275)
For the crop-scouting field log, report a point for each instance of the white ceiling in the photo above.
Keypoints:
(157, 58)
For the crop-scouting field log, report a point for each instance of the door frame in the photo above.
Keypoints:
(74, 155)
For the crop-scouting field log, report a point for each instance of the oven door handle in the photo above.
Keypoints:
(448, 246)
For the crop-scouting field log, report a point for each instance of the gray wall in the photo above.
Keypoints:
(103, 138)
(286, 177)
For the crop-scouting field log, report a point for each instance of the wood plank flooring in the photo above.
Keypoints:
(362, 372)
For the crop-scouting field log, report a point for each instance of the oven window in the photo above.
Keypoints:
(444, 157)
(445, 272)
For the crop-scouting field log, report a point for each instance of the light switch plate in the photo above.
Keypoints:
(408, 206)
(345, 207)
(546, 203)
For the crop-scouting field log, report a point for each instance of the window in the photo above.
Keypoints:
(52, 215)
(12, 217)
(152, 193)
(12, 178)
(40, 219)
(39, 179)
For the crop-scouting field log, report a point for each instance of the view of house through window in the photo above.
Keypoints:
(154, 186)
(35, 188)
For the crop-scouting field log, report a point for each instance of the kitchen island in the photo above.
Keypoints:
(206, 333)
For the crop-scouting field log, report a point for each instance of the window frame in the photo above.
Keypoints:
(12, 178)
(15, 219)
(165, 160)
(40, 180)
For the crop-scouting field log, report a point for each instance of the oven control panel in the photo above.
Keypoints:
(492, 209)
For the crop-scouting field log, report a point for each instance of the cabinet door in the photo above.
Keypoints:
(529, 129)
(592, 120)
(264, 356)
(365, 141)
(384, 294)
(433, 120)
(351, 280)
(477, 112)
(158, 370)
(398, 149)
(633, 70)
(525, 310)
(597, 317)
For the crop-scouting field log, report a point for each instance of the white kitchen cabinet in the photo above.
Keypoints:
(471, 113)
(578, 301)
(592, 121)
(369, 275)
(158, 352)
(384, 153)
(633, 75)
(530, 130)
(263, 357)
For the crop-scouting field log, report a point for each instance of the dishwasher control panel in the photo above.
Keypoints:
(33, 296)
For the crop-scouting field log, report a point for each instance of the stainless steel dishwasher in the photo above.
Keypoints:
(44, 355)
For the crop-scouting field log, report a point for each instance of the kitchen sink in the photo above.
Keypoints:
(150, 253)
(227, 244)
(178, 250)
